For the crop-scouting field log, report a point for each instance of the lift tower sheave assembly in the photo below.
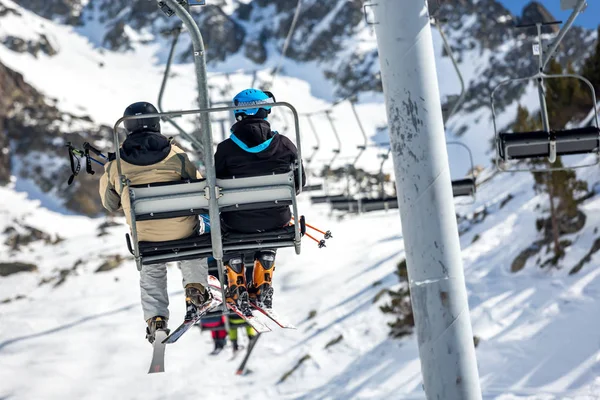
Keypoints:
(424, 190)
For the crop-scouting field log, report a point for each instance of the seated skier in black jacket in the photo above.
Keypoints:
(253, 149)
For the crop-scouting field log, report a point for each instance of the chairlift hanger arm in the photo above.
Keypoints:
(362, 131)
(463, 92)
(315, 148)
(461, 144)
(288, 40)
(581, 4)
(384, 158)
(337, 151)
(195, 143)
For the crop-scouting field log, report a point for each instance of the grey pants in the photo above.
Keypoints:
(153, 285)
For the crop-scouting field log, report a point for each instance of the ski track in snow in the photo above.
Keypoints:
(85, 338)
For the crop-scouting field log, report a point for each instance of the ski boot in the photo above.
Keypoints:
(237, 292)
(154, 324)
(264, 266)
(196, 297)
(219, 346)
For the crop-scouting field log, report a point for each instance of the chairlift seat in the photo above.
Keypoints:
(326, 199)
(313, 188)
(173, 199)
(350, 204)
(197, 246)
(463, 187)
(523, 145)
(379, 204)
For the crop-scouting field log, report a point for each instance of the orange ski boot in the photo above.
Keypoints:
(264, 266)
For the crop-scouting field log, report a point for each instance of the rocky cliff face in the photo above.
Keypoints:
(33, 133)
(327, 33)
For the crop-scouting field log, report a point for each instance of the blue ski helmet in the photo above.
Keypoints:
(253, 97)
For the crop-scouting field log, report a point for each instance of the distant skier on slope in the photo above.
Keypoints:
(148, 157)
(235, 322)
(216, 323)
(253, 149)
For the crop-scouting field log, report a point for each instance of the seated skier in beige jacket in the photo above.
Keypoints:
(149, 157)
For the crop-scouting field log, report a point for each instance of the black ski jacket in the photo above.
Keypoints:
(145, 148)
(254, 150)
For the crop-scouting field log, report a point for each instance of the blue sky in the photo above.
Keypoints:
(589, 19)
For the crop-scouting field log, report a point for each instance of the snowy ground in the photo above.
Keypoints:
(537, 327)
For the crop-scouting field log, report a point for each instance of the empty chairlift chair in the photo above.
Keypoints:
(523, 145)
(352, 203)
(547, 143)
(336, 152)
(383, 202)
(465, 187)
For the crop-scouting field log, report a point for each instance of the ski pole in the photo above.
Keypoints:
(326, 234)
(97, 161)
(321, 243)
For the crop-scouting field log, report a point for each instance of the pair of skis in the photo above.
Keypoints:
(162, 337)
(255, 320)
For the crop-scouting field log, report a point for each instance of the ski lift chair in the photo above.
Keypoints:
(327, 198)
(382, 202)
(336, 153)
(547, 143)
(351, 203)
(465, 187)
(156, 201)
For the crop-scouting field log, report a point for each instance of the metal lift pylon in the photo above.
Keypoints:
(424, 194)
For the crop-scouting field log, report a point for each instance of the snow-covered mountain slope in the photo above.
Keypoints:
(90, 81)
(84, 337)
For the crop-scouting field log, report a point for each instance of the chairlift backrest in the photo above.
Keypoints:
(277, 189)
(186, 197)
(176, 198)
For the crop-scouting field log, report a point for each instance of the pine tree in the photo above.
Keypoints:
(561, 186)
(400, 305)
(565, 97)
